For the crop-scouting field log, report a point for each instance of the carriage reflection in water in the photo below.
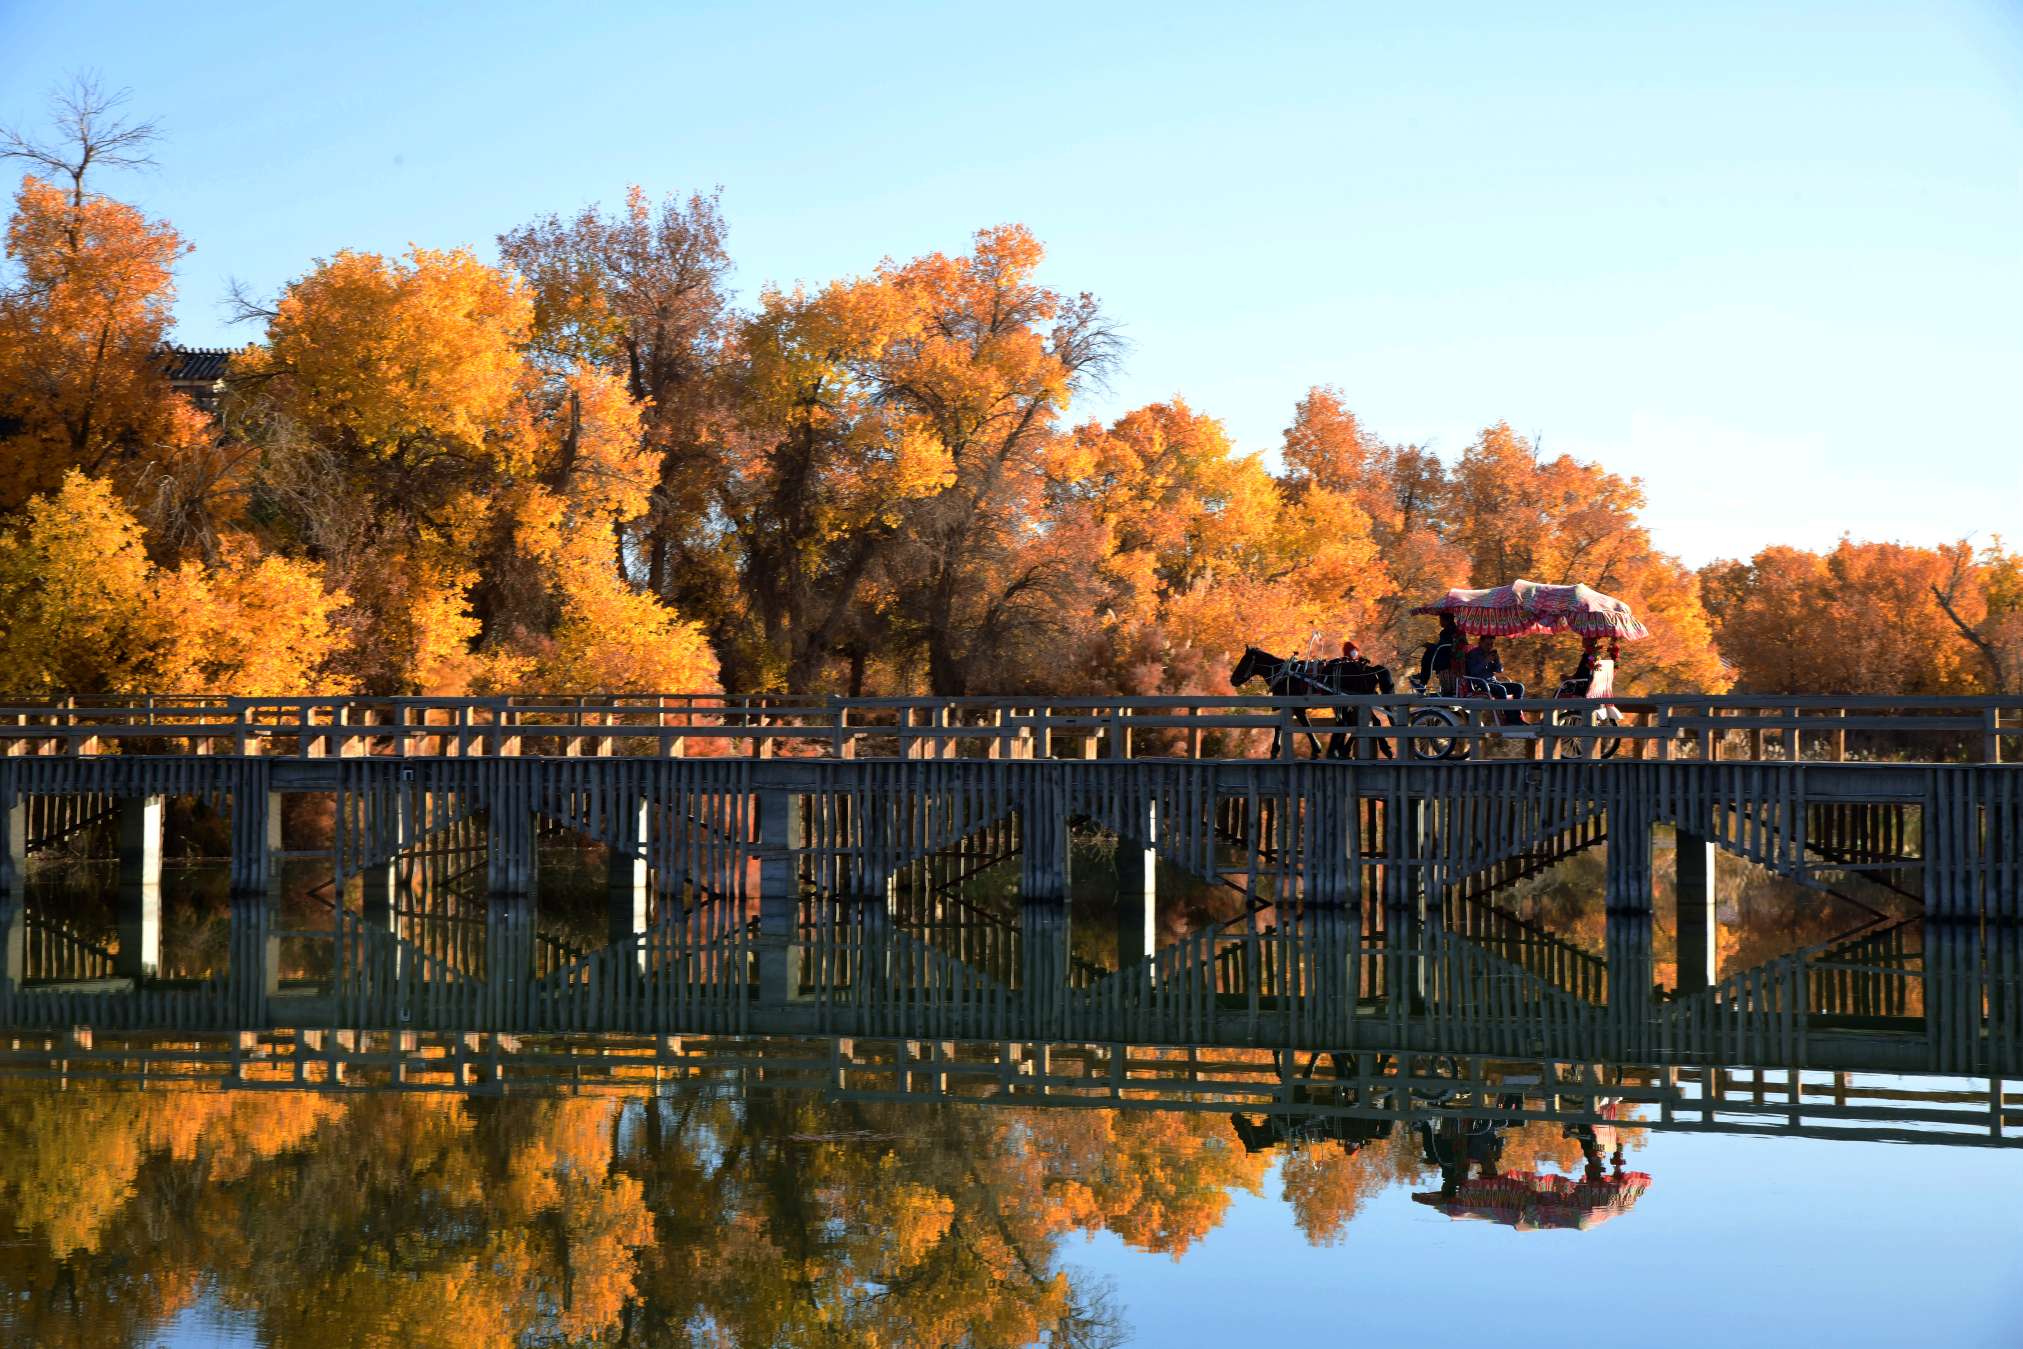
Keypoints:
(1447, 695)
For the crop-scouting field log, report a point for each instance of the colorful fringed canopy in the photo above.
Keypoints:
(1522, 608)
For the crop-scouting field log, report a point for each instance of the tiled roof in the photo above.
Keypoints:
(196, 364)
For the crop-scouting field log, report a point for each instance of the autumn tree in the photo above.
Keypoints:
(1205, 552)
(1863, 618)
(983, 377)
(84, 305)
(1403, 490)
(1982, 597)
(819, 470)
(642, 296)
(468, 497)
(1518, 515)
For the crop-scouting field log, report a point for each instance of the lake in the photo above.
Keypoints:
(1849, 1178)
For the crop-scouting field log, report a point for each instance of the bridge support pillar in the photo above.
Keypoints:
(256, 841)
(1043, 857)
(510, 860)
(1698, 922)
(625, 887)
(13, 844)
(1138, 889)
(780, 841)
(1627, 877)
(138, 908)
(1330, 880)
(1404, 858)
(13, 947)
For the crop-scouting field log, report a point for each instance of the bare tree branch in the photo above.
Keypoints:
(1980, 643)
(91, 131)
(242, 306)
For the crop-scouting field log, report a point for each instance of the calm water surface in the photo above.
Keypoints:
(714, 1215)
(158, 1189)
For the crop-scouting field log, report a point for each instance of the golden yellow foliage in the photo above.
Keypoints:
(407, 360)
(83, 610)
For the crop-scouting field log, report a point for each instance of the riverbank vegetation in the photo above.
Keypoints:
(584, 467)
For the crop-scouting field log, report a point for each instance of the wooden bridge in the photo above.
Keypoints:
(792, 869)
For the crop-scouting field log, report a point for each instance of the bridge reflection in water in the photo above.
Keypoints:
(875, 1009)
(1287, 1013)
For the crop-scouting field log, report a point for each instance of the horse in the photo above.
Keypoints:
(1290, 678)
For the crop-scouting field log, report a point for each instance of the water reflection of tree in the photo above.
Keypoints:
(700, 1216)
(776, 1220)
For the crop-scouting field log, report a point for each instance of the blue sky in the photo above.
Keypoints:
(1767, 257)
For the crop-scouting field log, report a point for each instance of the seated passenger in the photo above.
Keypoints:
(1437, 662)
(1485, 668)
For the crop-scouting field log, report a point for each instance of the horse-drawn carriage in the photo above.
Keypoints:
(1453, 698)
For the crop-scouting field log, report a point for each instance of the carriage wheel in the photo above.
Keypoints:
(1435, 746)
(1602, 747)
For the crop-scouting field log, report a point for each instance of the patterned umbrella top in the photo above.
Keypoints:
(1522, 608)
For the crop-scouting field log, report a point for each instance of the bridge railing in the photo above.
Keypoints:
(1750, 728)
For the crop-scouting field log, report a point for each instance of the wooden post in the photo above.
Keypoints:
(625, 879)
(1627, 874)
(780, 840)
(140, 887)
(1138, 888)
(380, 879)
(13, 948)
(1694, 866)
(1043, 852)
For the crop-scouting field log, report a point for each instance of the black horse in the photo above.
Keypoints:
(1289, 678)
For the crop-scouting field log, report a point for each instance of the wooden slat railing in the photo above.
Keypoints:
(1748, 728)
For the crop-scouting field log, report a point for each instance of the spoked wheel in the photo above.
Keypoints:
(1600, 747)
(1436, 746)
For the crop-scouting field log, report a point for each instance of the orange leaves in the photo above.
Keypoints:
(1564, 520)
(1207, 550)
(1862, 618)
(79, 384)
(251, 624)
(484, 487)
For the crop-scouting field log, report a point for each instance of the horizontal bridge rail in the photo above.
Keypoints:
(1748, 728)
